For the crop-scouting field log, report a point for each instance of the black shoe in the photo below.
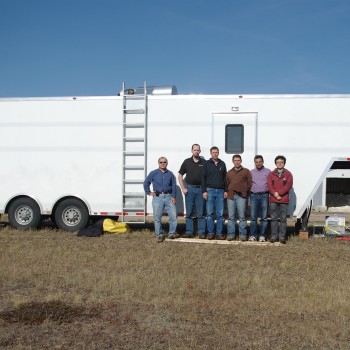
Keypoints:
(283, 242)
(187, 235)
(201, 236)
(220, 237)
(211, 236)
(272, 241)
(160, 239)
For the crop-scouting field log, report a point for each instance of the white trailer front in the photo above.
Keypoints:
(74, 157)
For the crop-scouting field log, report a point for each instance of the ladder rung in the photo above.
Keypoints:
(134, 153)
(134, 111)
(135, 97)
(134, 139)
(140, 209)
(136, 196)
(134, 167)
(134, 125)
(133, 181)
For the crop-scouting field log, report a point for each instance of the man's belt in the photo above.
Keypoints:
(165, 192)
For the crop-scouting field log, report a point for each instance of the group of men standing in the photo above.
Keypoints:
(207, 184)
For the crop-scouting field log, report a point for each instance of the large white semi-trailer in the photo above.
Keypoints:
(71, 158)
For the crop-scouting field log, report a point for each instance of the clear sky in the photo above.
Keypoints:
(89, 47)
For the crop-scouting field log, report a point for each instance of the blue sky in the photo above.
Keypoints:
(89, 47)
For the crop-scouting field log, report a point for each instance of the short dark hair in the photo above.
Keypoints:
(258, 156)
(281, 157)
(195, 144)
(214, 147)
(236, 156)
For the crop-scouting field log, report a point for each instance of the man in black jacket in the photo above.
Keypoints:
(214, 192)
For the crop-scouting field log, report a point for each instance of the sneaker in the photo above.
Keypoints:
(230, 237)
(211, 236)
(262, 239)
(220, 237)
(252, 239)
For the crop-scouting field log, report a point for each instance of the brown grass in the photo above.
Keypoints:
(59, 291)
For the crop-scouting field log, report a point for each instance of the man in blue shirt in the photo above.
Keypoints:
(163, 198)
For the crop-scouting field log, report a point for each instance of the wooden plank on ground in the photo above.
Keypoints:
(207, 241)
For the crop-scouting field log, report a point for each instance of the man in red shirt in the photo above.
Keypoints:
(279, 183)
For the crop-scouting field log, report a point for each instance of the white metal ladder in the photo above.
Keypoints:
(134, 154)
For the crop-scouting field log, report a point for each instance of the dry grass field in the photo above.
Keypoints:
(59, 291)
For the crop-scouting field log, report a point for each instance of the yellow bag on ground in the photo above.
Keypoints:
(113, 226)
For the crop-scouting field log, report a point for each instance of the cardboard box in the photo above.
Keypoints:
(303, 234)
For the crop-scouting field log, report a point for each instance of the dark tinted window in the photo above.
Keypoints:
(234, 138)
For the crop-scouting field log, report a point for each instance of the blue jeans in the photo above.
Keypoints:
(279, 229)
(194, 197)
(237, 203)
(258, 208)
(215, 200)
(159, 204)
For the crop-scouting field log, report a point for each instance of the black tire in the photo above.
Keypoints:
(71, 215)
(24, 214)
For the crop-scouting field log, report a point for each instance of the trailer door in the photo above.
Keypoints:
(236, 133)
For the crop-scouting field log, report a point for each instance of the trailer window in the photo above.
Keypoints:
(234, 138)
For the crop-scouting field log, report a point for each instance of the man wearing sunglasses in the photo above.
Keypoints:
(163, 195)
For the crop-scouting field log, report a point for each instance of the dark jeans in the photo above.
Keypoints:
(194, 198)
(258, 208)
(215, 201)
(278, 229)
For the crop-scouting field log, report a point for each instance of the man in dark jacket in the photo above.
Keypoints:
(213, 189)
(279, 183)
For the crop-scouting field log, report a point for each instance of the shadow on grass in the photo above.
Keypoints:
(38, 312)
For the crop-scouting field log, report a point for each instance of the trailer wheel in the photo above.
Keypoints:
(24, 214)
(71, 215)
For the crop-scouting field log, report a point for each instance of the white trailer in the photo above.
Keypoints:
(71, 158)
